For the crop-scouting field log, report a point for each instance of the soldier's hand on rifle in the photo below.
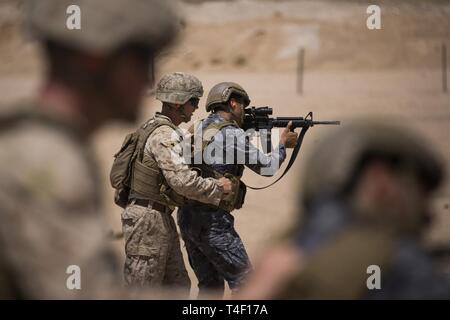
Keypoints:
(288, 137)
(225, 185)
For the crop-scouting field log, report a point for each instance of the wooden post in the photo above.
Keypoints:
(444, 68)
(300, 69)
(152, 70)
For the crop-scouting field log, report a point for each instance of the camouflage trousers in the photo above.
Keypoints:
(216, 252)
(152, 247)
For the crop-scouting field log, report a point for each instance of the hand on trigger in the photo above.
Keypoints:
(288, 138)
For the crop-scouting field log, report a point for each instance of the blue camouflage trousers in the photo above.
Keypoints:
(215, 250)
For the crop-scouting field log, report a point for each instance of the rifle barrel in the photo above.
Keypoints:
(281, 122)
(327, 122)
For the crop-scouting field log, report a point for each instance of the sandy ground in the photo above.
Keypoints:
(350, 73)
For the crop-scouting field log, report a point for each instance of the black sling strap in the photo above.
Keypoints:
(294, 154)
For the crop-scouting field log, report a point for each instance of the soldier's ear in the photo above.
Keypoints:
(233, 104)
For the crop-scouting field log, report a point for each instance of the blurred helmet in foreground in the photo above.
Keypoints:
(334, 167)
(105, 25)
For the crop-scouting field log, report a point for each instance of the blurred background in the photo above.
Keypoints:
(348, 71)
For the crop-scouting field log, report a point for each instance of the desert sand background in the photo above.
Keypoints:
(350, 72)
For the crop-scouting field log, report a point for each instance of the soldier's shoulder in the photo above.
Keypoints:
(165, 132)
(163, 137)
(46, 162)
(230, 130)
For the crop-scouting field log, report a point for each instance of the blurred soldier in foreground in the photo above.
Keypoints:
(159, 182)
(366, 193)
(49, 187)
(216, 252)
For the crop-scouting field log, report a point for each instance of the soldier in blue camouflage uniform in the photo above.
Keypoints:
(216, 252)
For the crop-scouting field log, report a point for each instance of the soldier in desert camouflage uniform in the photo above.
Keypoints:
(160, 181)
(49, 187)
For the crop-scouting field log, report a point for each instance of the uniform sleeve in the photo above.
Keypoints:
(164, 144)
(265, 164)
(239, 149)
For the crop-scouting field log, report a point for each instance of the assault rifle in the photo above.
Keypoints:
(258, 119)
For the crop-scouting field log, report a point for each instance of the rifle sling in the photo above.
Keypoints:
(294, 154)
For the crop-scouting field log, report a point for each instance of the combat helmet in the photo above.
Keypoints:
(178, 88)
(333, 166)
(105, 24)
(222, 92)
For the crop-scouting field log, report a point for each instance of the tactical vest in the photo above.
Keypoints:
(236, 198)
(147, 181)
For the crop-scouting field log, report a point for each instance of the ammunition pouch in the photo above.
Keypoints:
(235, 199)
(121, 197)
